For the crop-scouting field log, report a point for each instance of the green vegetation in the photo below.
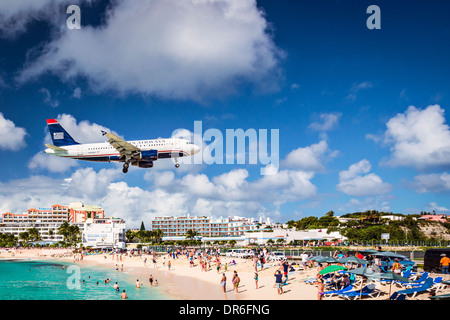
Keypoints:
(369, 225)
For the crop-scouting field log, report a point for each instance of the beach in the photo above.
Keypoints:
(191, 283)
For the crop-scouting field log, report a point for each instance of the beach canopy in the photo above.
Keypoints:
(352, 259)
(327, 260)
(331, 269)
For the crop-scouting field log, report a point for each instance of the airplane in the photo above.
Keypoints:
(140, 153)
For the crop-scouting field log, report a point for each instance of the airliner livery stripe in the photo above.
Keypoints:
(51, 121)
(117, 154)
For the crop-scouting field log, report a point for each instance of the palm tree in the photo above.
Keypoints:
(64, 230)
(34, 234)
(191, 234)
(158, 234)
(24, 236)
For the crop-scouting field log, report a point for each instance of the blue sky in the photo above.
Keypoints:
(362, 114)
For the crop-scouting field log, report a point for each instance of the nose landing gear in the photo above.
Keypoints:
(125, 167)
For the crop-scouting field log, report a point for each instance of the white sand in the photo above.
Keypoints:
(185, 282)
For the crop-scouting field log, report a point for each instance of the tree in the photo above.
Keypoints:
(142, 226)
(34, 234)
(191, 234)
(24, 236)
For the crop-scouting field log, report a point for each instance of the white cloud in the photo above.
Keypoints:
(433, 206)
(354, 183)
(172, 49)
(11, 137)
(309, 158)
(379, 203)
(357, 87)
(77, 93)
(434, 182)
(51, 163)
(48, 99)
(326, 122)
(15, 16)
(419, 138)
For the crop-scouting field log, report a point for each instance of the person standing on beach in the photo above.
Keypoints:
(150, 280)
(444, 263)
(320, 287)
(237, 280)
(279, 281)
(223, 283)
(169, 264)
(256, 279)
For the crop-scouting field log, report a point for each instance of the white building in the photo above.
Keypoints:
(289, 235)
(104, 233)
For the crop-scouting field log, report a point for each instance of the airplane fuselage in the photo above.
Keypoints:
(105, 152)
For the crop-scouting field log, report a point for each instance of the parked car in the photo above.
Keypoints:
(244, 254)
(387, 262)
(276, 256)
(432, 258)
(231, 253)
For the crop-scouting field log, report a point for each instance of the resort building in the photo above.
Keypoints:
(205, 226)
(48, 220)
(104, 233)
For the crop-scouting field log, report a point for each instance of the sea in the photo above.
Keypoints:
(55, 280)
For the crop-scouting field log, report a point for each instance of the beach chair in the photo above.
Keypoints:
(416, 283)
(437, 283)
(368, 291)
(426, 286)
(397, 296)
(328, 294)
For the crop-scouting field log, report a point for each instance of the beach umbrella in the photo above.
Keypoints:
(390, 276)
(369, 251)
(316, 258)
(352, 259)
(327, 260)
(375, 274)
(331, 269)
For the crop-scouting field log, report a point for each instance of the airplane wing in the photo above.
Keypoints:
(51, 146)
(125, 148)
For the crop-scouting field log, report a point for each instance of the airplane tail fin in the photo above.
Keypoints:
(59, 136)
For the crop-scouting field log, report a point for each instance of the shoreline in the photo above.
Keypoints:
(183, 282)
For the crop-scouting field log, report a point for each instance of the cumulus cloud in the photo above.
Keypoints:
(433, 206)
(326, 121)
(227, 194)
(419, 138)
(171, 49)
(357, 181)
(11, 137)
(15, 16)
(434, 182)
(309, 158)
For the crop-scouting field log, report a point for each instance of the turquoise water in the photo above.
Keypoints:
(45, 280)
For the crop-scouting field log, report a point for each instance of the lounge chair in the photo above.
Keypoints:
(397, 296)
(426, 286)
(416, 283)
(328, 294)
(437, 283)
(368, 290)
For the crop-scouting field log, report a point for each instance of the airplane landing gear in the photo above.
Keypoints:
(177, 165)
(125, 167)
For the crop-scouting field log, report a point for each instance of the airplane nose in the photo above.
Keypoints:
(195, 149)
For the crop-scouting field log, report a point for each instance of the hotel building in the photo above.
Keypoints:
(48, 220)
(205, 226)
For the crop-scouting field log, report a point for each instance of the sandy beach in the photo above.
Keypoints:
(191, 283)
